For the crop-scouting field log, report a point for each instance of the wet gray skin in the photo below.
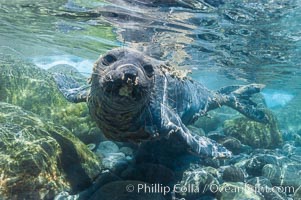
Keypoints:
(135, 98)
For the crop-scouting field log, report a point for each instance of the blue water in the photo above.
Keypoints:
(248, 41)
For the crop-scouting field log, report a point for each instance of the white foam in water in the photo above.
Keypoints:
(275, 98)
(82, 65)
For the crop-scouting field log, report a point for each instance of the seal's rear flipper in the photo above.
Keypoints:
(71, 89)
(172, 126)
(238, 98)
(242, 90)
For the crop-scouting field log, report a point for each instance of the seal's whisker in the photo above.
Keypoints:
(150, 115)
(97, 74)
(111, 93)
(99, 71)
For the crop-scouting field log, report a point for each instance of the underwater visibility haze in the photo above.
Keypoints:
(51, 148)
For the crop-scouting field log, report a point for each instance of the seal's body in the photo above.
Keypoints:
(136, 98)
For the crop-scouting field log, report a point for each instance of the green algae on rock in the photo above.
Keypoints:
(39, 159)
(255, 134)
(29, 87)
(35, 90)
(77, 119)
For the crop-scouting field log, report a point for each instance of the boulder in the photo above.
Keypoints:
(34, 89)
(150, 173)
(255, 164)
(107, 147)
(231, 143)
(286, 175)
(263, 185)
(209, 124)
(39, 159)
(254, 134)
(233, 174)
(195, 182)
(297, 194)
(237, 191)
(125, 190)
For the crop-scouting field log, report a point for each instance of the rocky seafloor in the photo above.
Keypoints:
(51, 149)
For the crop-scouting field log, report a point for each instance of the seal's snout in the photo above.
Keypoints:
(130, 76)
(129, 80)
(125, 80)
(128, 71)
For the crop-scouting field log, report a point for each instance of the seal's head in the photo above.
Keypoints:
(126, 76)
(121, 86)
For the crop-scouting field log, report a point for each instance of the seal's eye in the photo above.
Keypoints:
(149, 69)
(108, 59)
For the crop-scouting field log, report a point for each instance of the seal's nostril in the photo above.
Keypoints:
(130, 75)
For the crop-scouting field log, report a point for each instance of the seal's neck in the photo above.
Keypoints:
(120, 121)
(123, 108)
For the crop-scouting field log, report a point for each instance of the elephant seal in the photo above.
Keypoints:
(133, 97)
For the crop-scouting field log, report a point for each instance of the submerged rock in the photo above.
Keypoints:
(292, 136)
(112, 158)
(196, 130)
(107, 147)
(115, 161)
(295, 154)
(35, 90)
(255, 164)
(263, 185)
(237, 191)
(150, 173)
(104, 178)
(233, 174)
(231, 143)
(255, 134)
(208, 124)
(260, 181)
(127, 151)
(286, 175)
(29, 87)
(297, 193)
(68, 70)
(165, 152)
(126, 190)
(91, 146)
(196, 181)
(39, 159)
(76, 118)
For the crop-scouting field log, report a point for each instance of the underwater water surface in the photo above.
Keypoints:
(52, 149)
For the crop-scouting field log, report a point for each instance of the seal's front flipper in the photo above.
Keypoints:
(238, 98)
(172, 126)
(71, 89)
